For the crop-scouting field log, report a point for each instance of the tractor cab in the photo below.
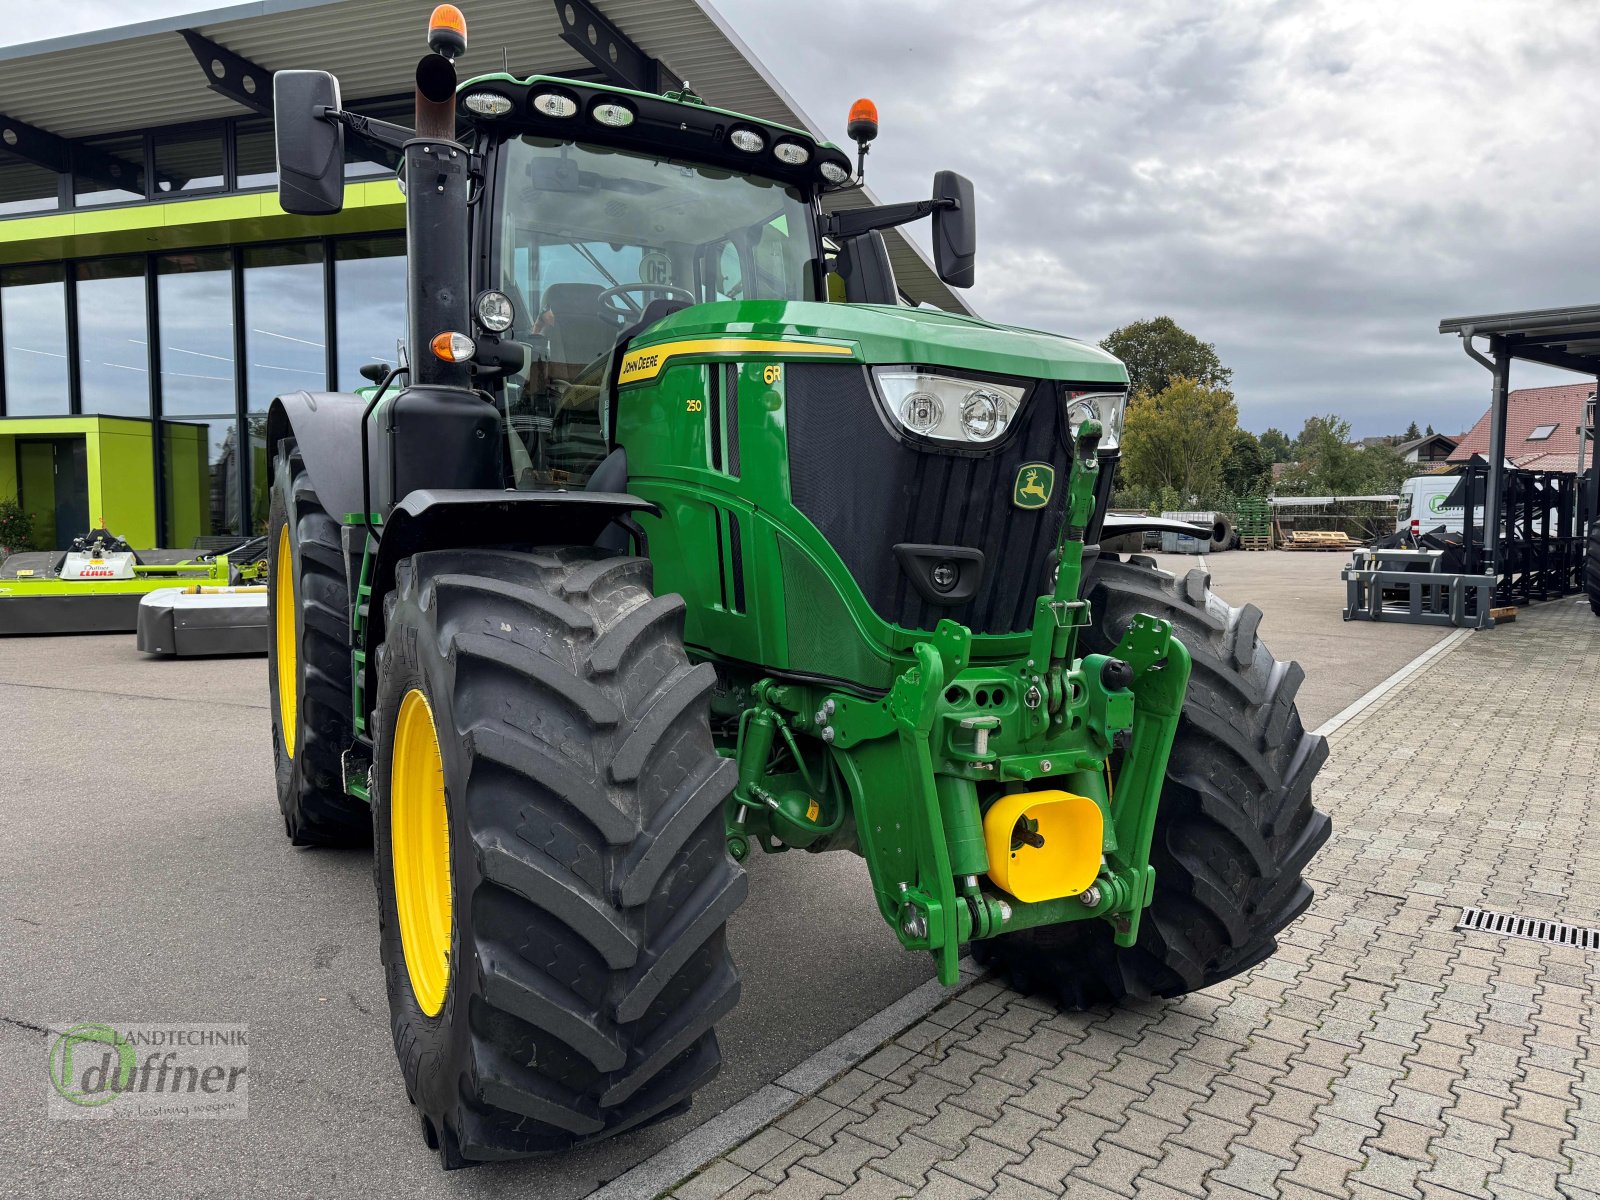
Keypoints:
(587, 246)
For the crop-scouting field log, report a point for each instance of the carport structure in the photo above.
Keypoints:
(1568, 338)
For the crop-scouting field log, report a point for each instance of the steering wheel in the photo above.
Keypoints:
(662, 289)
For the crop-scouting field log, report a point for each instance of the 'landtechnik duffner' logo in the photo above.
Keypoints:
(149, 1070)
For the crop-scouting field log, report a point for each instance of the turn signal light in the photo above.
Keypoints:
(447, 31)
(453, 347)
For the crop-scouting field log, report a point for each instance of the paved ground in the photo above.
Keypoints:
(1380, 1053)
(1301, 598)
(144, 876)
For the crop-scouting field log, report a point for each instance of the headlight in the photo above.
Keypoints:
(1105, 407)
(946, 408)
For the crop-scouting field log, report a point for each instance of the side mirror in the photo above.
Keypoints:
(310, 148)
(374, 371)
(955, 229)
(863, 264)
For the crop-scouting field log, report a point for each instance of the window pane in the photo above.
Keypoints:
(33, 317)
(200, 478)
(284, 335)
(26, 186)
(189, 162)
(113, 341)
(370, 284)
(195, 297)
(112, 173)
(260, 479)
(255, 157)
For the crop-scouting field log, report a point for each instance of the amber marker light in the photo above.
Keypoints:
(452, 347)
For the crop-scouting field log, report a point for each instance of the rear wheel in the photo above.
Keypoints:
(550, 857)
(308, 663)
(1591, 567)
(1236, 825)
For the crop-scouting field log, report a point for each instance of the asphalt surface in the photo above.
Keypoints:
(144, 876)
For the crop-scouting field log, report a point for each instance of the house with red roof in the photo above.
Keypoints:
(1541, 428)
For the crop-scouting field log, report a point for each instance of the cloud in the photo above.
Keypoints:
(1310, 184)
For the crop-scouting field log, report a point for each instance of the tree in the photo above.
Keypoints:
(1412, 433)
(1428, 432)
(1330, 466)
(1158, 351)
(1246, 470)
(1277, 446)
(1179, 437)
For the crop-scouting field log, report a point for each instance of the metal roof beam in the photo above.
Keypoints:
(1553, 356)
(36, 145)
(231, 75)
(618, 59)
(56, 153)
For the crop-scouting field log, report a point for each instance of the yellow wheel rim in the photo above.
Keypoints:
(283, 630)
(419, 835)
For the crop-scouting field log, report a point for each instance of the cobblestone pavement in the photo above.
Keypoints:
(1380, 1052)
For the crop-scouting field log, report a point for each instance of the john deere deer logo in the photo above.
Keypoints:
(1035, 482)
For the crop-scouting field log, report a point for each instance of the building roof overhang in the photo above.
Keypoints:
(144, 75)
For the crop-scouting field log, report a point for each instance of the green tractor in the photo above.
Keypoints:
(673, 537)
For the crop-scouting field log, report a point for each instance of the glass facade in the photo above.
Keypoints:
(194, 296)
(200, 341)
(196, 341)
(113, 337)
(370, 298)
(136, 167)
(26, 187)
(108, 170)
(189, 161)
(33, 341)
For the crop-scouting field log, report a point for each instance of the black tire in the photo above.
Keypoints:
(1591, 567)
(590, 880)
(317, 811)
(1236, 825)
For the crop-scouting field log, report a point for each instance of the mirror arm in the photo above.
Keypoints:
(850, 222)
(394, 137)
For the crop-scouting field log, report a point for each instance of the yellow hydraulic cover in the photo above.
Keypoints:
(1043, 845)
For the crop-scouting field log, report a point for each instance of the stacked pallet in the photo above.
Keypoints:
(1254, 516)
(1321, 539)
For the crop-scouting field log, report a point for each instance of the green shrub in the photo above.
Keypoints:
(16, 528)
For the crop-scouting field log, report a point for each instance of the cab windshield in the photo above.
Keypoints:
(592, 243)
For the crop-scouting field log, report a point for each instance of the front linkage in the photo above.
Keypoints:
(930, 782)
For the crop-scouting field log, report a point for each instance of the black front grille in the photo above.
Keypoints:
(866, 491)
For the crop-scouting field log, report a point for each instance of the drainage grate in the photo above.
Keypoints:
(1529, 929)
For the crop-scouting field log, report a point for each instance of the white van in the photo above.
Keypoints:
(1422, 505)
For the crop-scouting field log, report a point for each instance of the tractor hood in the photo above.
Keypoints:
(887, 334)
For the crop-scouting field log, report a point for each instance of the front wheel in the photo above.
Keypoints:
(1236, 826)
(551, 864)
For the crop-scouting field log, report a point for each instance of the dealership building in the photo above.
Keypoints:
(153, 296)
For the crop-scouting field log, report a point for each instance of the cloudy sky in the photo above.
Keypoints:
(1310, 184)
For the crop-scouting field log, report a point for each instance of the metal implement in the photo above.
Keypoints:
(97, 586)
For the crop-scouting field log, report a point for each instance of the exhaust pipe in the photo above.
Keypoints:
(437, 185)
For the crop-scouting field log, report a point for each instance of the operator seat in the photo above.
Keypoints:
(580, 329)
